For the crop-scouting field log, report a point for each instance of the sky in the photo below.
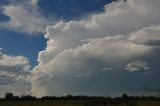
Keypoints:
(91, 47)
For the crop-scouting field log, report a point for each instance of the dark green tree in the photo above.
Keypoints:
(9, 96)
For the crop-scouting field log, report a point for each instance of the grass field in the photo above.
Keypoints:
(78, 103)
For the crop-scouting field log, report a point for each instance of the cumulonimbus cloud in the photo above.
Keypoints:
(127, 31)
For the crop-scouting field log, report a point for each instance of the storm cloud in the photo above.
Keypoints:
(124, 38)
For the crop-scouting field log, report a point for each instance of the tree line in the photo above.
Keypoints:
(124, 97)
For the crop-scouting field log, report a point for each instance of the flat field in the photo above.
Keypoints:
(78, 103)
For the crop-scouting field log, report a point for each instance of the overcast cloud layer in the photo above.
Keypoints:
(106, 54)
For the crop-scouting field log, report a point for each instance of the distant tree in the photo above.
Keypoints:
(8, 96)
(124, 95)
(27, 97)
(69, 97)
(16, 98)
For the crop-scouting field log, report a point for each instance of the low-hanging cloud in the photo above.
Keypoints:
(13, 69)
(137, 66)
(78, 51)
(14, 74)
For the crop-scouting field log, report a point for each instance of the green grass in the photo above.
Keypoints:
(78, 103)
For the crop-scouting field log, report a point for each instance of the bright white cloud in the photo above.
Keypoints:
(119, 18)
(24, 17)
(125, 32)
(91, 57)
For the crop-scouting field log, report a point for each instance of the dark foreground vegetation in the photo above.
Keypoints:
(69, 100)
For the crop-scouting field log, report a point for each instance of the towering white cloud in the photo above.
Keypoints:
(119, 18)
(78, 51)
